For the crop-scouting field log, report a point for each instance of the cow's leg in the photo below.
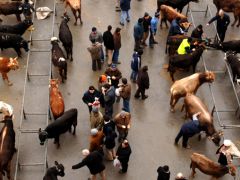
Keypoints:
(65, 72)
(61, 74)
(18, 51)
(74, 129)
(234, 77)
(70, 129)
(193, 169)
(9, 170)
(5, 77)
(75, 15)
(173, 102)
(171, 74)
(18, 17)
(165, 21)
(235, 19)
(238, 21)
(161, 23)
(79, 15)
(56, 141)
(1, 176)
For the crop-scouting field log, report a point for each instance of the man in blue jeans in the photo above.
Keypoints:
(125, 6)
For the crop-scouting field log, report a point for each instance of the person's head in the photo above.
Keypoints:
(221, 13)
(91, 89)
(118, 30)
(157, 14)
(106, 86)
(106, 118)
(145, 68)
(199, 27)
(85, 152)
(109, 28)
(140, 20)
(227, 143)
(165, 168)
(140, 52)
(93, 132)
(189, 39)
(26, 1)
(124, 80)
(113, 67)
(125, 143)
(180, 176)
(146, 15)
(123, 114)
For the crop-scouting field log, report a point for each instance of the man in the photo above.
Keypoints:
(123, 123)
(138, 34)
(96, 140)
(94, 162)
(163, 173)
(27, 9)
(136, 64)
(96, 119)
(153, 30)
(146, 27)
(180, 176)
(114, 75)
(125, 93)
(109, 99)
(197, 32)
(108, 123)
(117, 45)
(123, 154)
(98, 38)
(109, 44)
(188, 130)
(143, 83)
(185, 46)
(95, 51)
(177, 27)
(223, 21)
(125, 7)
(89, 97)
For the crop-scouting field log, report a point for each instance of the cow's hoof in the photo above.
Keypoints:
(172, 110)
(10, 84)
(75, 24)
(81, 22)
(238, 25)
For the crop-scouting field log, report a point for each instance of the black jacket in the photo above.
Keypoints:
(123, 153)
(108, 40)
(143, 80)
(223, 23)
(90, 98)
(162, 175)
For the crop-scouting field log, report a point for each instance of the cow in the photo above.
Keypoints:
(56, 99)
(13, 41)
(7, 147)
(169, 14)
(233, 45)
(19, 28)
(65, 37)
(53, 172)
(75, 6)
(6, 109)
(58, 58)
(234, 63)
(185, 61)
(8, 8)
(7, 64)
(207, 166)
(192, 105)
(229, 6)
(60, 126)
(173, 42)
(188, 85)
(176, 4)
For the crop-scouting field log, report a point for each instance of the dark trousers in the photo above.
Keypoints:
(141, 91)
(151, 39)
(109, 110)
(137, 44)
(96, 63)
(122, 135)
(221, 33)
(185, 138)
(124, 166)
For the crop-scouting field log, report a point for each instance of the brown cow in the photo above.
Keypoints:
(193, 105)
(169, 14)
(207, 166)
(75, 6)
(56, 99)
(188, 85)
(7, 64)
(229, 6)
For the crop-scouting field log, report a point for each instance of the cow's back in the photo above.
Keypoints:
(65, 34)
(9, 40)
(170, 13)
(75, 4)
(231, 45)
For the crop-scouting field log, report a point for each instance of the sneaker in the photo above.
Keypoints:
(137, 97)
(128, 20)
(118, 62)
(121, 24)
(145, 97)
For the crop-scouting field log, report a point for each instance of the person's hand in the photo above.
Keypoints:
(89, 104)
(207, 24)
(113, 77)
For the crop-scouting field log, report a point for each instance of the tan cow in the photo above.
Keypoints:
(75, 6)
(7, 64)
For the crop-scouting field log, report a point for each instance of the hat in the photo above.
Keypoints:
(146, 14)
(165, 168)
(94, 131)
(140, 20)
(106, 118)
(85, 152)
(94, 109)
(103, 78)
(227, 142)
(54, 39)
(94, 29)
(91, 88)
(118, 29)
(157, 14)
(179, 175)
(113, 66)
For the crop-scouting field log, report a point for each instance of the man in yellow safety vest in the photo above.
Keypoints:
(185, 46)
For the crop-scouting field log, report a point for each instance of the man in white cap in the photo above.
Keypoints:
(94, 162)
(96, 140)
(223, 21)
(180, 176)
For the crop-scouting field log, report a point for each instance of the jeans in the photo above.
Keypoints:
(124, 16)
(185, 138)
(95, 63)
(134, 75)
(115, 56)
(126, 105)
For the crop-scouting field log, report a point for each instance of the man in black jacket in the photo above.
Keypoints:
(94, 162)
(109, 44)
(163, 173)
(143, 83)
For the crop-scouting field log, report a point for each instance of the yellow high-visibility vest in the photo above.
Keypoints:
(183, 45)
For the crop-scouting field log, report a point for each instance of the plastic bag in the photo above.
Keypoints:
(117, 163)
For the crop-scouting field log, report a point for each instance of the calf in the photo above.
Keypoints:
(58, 58)
(60, 126)
(75, 6)
(169, 14)
(53, 172)
(188, 85)
(7, 147)
(9, 8)
(234, 63)
(207, 166)
(193, 105)
(7, 64)
(65, 37)
(19, 28)
(56, 99)
(184, 61)
(13, 41)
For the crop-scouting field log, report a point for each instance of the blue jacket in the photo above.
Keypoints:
(191, 128)
(136, 62)
(125, 5)
(138, 31)
(175, 28)
(154, 23)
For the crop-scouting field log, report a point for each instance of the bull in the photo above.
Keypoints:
(233, 45)
(189, 85)
(9, 8)
(13, 41)
(207, 166)
(234, 63)
(192, 105)
(53, 172)
(60, 126)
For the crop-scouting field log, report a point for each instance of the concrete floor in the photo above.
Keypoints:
(154, 127)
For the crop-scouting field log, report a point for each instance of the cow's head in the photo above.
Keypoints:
(60, 169)
(209, 76)
(13, 64)
(232, 169)
(43, 135)
(216, 137)
(54, 83)
(66, 17)
(229, 53)
(24, 45)
(185, 24)
(54, 40)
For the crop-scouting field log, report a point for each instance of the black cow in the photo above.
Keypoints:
(184, 61)
(62, 124)
(7, 147)
(179, 4)
(13, 41)
(9, 8)
(233, 45)
(53, 172)
(234, 63)
(65, 37)
(58, 58)
(19, 28)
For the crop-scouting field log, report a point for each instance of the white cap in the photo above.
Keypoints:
(54, 39)
(227, 142)
(85, 152)
(179, 175)
(94, 131)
